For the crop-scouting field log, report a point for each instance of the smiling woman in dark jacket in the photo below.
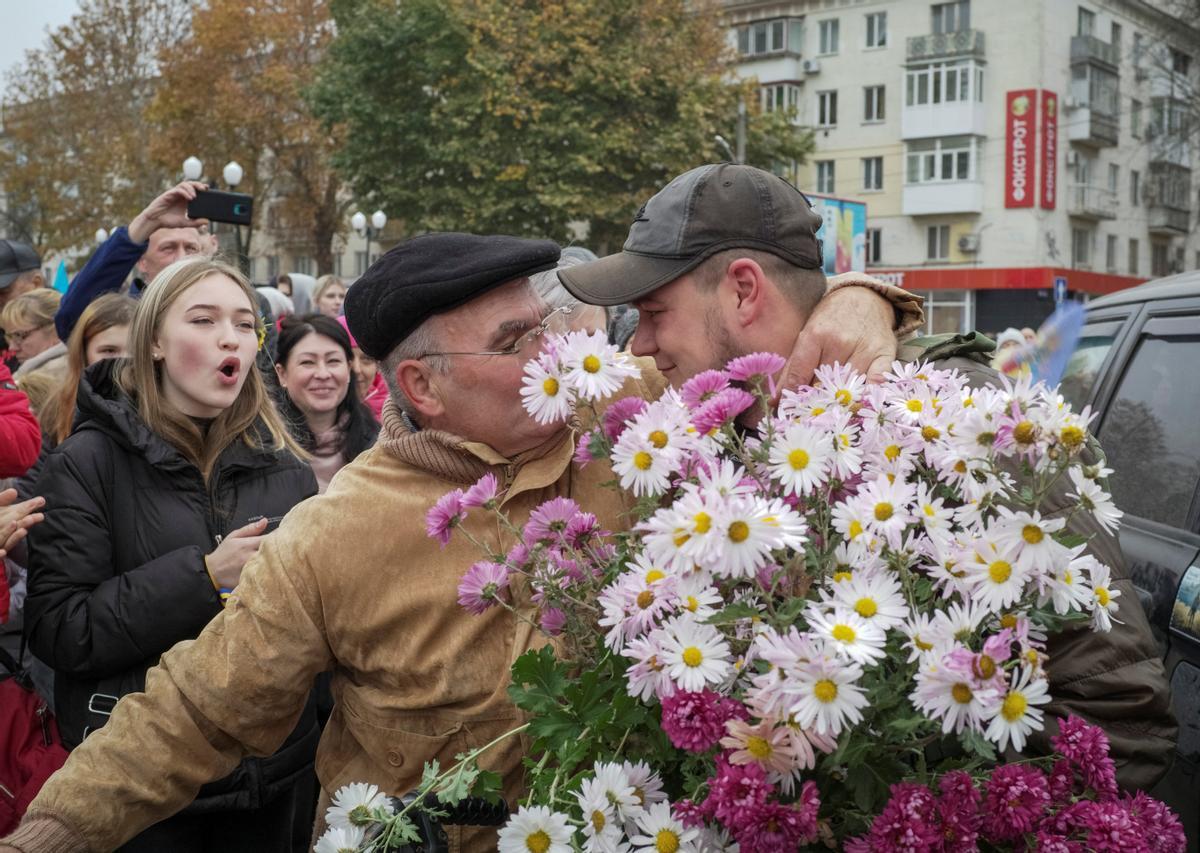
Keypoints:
(149, 507)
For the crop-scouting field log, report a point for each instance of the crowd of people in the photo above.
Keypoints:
(249, 469)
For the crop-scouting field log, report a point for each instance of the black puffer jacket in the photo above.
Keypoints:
(117, 572)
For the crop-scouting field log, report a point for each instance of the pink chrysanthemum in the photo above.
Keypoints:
(518, 556)
(775, 828)
(907, 823)
(482, 586)
(696, 721)
(721, 409)
(548, 523)
(1112, 829)
(1052, 842)
(690, 814)
(1160, 826)
(1017, 797)
(1086, 747)
(552, 621)
(762, 365)
(581, 530)
(1062, 782)
(735, 790)
(958, 809)
(702, 387)
(444, 516)
(617, 416)
(481, 493)
(583, 449)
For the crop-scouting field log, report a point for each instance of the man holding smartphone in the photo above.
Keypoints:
(157, 237)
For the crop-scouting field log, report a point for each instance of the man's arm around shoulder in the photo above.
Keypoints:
(104, 272)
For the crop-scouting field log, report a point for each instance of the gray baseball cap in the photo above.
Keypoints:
(703, 211)
(16, 258)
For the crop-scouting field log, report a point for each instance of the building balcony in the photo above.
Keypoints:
(959, 45)
(1091, 127)
(1092, 50)
(1171, 149)
(951, 118)
(943, 197)
(774, 67)
(1088, 202)
(1167, 221)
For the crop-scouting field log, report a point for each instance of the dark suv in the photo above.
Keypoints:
(1138, 367)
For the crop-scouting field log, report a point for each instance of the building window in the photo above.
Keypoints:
(337, 264)
(1158, 260)
(947, 311)
(1110, 253)
(1115, 37)
(937, 242)
(827, 32)
(1135, 188)
(873, 103)
(303, 265)
(1087, 23)
(762, 37)
(826, 109)
(951, 17)
(780, 96)
(874, 245)
(825, 176)
(1097, 89)
(1081, 248)
(1133, 257)
(1181, 62)
(877, 29)
(1168, 116)
(272, 268)
(943, 82)
(1135, 119)
(360, 263)
(938, 160)
(1114, 177)
(872, 173)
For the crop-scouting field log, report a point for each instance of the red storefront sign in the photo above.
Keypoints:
(1003, 278)
(1049, 149)
(1020, 133)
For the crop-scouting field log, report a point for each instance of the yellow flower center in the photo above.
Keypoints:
(1032, 534)
(539, 842)
(866, 607)
(642, 460)
(1024, 432)
(759, 747)
(960, 467)
(825, 690)
(914, 405)
(692, 604)
(929, 510)
(739, 531)
(598, 820)
(930, 433)
(843, 634)
(591, 364)
(703, 521)
(842, 575)
(892, 452)
(843, 397)
(1014, 707)
(883, 511)
(855, 529)
(1072, 436)
(1068, 578)
(654, 575)
(645, 598)
(999, 571)
(985, 439)
(962, 693)
(818, 410)
(798, 459)
(692, 656)
(666, 841)
(550, 386)
(658, 438)
(921, 644)
(1102, 596)
(681, 538)
(1008, 621)
(986, 666)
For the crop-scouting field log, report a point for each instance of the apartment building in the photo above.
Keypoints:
(1007, 152)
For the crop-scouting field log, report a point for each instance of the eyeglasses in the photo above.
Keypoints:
(552, 320)
(21, 337)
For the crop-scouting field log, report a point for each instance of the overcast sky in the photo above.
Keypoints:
(25, 24)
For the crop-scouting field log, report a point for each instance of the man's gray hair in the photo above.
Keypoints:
(419, 341)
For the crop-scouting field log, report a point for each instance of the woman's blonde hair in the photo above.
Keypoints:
(41, 387)
(251, 418)
(35, 308)
(106, 312)
(324, 283)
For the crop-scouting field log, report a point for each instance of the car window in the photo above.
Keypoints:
(1083, 368)
(1151, 430)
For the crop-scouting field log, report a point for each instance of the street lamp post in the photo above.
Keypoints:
(370, 232)
(233, 174)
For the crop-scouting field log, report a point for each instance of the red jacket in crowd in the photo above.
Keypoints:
(20, 435)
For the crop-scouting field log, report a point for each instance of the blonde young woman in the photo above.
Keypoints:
(329, 296)
(154, 495)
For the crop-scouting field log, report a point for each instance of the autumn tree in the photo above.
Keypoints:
(73, 157)
(525, 117)
(233, 90)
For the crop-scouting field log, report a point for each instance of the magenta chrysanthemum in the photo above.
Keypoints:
(702, 387)
(775, 828)
(690, 814)
(617, 416)
(696, 721)
(958, 809)
(583, 450)
(548, 523)
(1062, 782)
(908, 823)
(761, 364)
(444, 515)
(482, 586)
(1112, 829)
(552, 621)
(721, 409)
(581, 530)
(735, 790)
(1086, 747)
(1016, 801)
(481, 493)
(1160, 826)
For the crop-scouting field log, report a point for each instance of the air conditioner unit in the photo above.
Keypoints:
(968, 243)
(1072, 159)
(810, 66)
(1074, 102)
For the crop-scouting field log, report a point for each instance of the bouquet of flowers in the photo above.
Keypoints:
(822, 626)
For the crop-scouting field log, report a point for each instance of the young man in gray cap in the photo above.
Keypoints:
(724, 261)
(20, 270)
(415, 677)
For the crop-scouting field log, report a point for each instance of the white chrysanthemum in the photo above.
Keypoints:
(949, 697)
(544, 391)
(1104, 597)
(848, 634)
(618, 788)
(664, 425)
(957, 623)
(1067, 587)
(594, 367)
(647, 785)
(993, 575)
(1017, 714)
(643, 468)
(354, 804)
(847, 451)
(850, 520)
(1032, 537)
(799, 459)
(694, 653)
(340, 839)
(684, 533)
(749, 529)
(1095, 500)
(536, 828)
(663, 833)
(886, 505)
(875, 596)
(921, 638)
(843, 384)
(932, 511)
(601, 827)
(825, 695)
(647, 676)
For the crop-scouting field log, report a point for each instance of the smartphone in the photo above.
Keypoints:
(221, 206)
(272, 522)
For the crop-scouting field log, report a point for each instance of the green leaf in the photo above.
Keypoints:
(488, 786)
(734, 613)
(974, 742)
(538, 681)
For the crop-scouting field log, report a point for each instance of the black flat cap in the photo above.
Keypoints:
(432, 273)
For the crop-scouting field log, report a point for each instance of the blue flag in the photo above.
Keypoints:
(61, 282)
